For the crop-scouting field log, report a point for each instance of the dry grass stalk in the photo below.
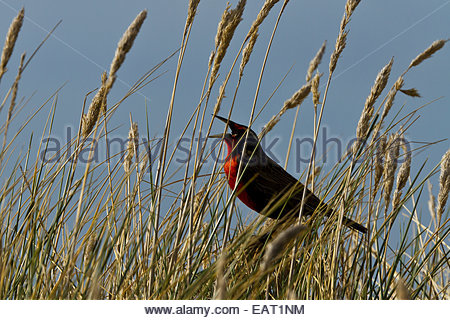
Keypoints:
(199, 199)
(278, 245)
(433, 48)
(192, 11)
(132, 146)
(431, 201)
(10, 41)
(220, 98)
(225, 31)
(444, 184)
(124, 45)
(313, 175)
(341, 40)
(316, 61)
(296, 99)
(315, 88)
(89, 120)
(403, 173)
(390, 166)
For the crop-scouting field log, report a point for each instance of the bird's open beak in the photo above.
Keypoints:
(222, 119)
(219, 136)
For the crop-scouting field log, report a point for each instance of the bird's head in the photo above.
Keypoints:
(236, 141)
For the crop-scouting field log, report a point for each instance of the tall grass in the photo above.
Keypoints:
(127, 228)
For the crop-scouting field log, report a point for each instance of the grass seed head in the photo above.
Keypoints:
(392, 151)
(89, 120)
(10, 42)
(315, 88)
(431, 201)
(444, 183)
(316, 61)
(433, 48)
(123, 47)
(225, 31)
(192, 11)
(278, 245)
(262, 15)
(403, 173)
(132, 146)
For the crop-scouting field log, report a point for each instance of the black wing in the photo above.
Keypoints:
(276, 192)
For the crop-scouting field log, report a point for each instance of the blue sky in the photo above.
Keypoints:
(84, 44)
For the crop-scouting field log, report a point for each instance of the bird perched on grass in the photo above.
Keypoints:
(265, 186)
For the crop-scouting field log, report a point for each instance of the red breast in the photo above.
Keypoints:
(231, 168)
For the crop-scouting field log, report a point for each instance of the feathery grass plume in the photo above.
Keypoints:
(90, 247)
(192, 11)
(296, 99)
(10, 41)
(89, 120)
(221, 285)
(402, 291)
(316, 61)
(247, 51)
(378, 162)
(391, 96)
(124, 45)
(133, 144)
(99, 101)
(201, 197)
(379, 85)
(392, 151)
(413, 92)
(315, 88)
(252, 34)
(366, 115)
(143, 161)
(433, 48)
(220, 97)
(444, 184)
(291, 295)
(225, 31)
(403, 173)
(341, 40)
(262, 15)
(277, 246)
(431, 201)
